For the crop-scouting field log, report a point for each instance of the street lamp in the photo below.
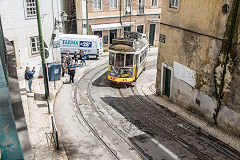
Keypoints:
(63, 16)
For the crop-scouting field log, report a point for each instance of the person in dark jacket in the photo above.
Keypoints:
(29, 77)
(72, 69)
(75, 57)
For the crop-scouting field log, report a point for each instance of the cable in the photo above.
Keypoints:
(202, 34)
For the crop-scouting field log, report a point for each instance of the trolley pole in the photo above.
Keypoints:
(87, 17)
(42, 49)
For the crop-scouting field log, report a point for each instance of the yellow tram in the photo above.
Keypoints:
(127, 58)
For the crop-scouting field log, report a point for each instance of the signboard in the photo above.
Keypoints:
(162, 38)
(85, 44)
(184, 73)
(56, 44)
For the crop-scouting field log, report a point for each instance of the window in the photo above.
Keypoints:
(154, 3)
(174, 3)
(119, 60)
(97, 4)
(113, 4)
(111, 58)
(98, 33)
(129, 60)
(141, 4)
(127, 30)
(140, 28)
(128, 6)
(35, 45)
(30, 8)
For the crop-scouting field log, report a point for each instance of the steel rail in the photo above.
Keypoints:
(220, 149)
(86, 122)
(176, 138)
(121, 136)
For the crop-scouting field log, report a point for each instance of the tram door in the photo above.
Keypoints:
(136, 64)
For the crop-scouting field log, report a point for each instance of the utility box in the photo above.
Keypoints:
(54, 71)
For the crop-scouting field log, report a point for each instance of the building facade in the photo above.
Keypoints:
(20, 28)
(114, 18)
(198, 59)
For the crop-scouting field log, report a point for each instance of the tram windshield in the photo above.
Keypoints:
(120, 58)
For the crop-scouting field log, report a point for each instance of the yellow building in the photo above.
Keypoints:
(198, 59)
(114, 18)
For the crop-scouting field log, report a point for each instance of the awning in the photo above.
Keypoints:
(126, 24)
(110, 26)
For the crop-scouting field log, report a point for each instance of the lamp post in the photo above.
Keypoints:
(42, 49)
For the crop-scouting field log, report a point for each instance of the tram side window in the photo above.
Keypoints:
(129, 60)
(111, 58)
(119, 60)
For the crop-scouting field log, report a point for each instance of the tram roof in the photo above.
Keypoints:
(128, 45)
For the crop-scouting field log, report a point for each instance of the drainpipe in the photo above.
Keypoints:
(120, 16)
(87, 17)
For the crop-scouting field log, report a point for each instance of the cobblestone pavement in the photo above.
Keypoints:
(39, 120)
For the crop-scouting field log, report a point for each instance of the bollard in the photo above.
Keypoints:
(57, 144)
(54, 81)
(48, 106)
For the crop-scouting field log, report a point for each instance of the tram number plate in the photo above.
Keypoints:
(92, 56)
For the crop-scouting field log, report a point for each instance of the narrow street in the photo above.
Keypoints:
(98, 120)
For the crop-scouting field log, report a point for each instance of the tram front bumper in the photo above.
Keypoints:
(121, 80)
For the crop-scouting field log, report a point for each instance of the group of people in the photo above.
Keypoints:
(68, 64)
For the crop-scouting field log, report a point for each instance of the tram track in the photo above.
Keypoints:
(194, 131)
(90, 126)
(141, 108)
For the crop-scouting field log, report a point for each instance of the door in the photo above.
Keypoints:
(151, 34)
(167, 82)
(112, 35)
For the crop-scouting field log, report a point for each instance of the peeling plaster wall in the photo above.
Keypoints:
(199, 53)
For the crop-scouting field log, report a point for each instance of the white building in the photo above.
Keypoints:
(20, 27)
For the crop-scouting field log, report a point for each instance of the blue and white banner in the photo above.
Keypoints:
(85, 44)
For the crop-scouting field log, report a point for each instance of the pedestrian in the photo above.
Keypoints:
(82, 57)
(75, 57)
(64, 66)
(29, 77)
(72, 68)
(62, 57)
(68, 59)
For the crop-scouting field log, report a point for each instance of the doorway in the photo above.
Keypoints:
(166, 80)
(112, 35)
(152, 34)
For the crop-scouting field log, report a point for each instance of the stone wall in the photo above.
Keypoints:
(194, 38)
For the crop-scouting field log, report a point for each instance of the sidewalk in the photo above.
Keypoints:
(38, 119)
(233, 141)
